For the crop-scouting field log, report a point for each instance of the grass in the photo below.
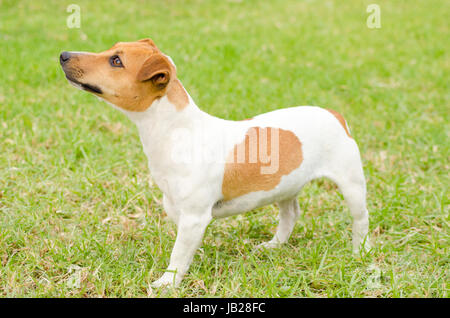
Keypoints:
(77, 218)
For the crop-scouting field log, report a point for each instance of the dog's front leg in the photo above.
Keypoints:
(191, 227)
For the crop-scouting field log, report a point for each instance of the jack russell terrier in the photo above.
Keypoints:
(209, 167)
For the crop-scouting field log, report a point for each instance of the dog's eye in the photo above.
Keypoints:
(115, 61)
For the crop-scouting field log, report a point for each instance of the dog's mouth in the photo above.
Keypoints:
(84, 86)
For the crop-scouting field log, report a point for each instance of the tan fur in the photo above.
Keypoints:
(130, 87)
(246, 177)
(341, 120)
(177, 95)
(156, 64)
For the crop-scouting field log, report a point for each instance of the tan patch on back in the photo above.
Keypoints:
(341, 119)
(177, 95)
(259, 162)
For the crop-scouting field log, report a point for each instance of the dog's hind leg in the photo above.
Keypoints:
(289, 213)
(355, 196)
(349, 176)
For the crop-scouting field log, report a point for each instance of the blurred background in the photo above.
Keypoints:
(77, 217)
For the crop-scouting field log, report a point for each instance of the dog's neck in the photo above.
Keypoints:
(161, 123)
(167, 110)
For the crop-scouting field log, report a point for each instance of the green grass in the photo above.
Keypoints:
(77, 218)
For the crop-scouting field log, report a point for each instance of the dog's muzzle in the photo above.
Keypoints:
(64, 59)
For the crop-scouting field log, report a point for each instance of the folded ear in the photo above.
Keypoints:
(148, 41)
(156, 69)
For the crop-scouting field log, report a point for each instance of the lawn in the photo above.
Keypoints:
(78, 219)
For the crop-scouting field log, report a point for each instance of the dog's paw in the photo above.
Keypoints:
(167, 280)
(269, 244)
(363, 247)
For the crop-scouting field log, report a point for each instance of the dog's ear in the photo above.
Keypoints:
(148, 41)
(156, 69)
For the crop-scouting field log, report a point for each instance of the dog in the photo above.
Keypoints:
(209, 167)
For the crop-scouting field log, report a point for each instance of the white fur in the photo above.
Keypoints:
(186, 153)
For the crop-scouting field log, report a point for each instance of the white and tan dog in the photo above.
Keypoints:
(211, 168)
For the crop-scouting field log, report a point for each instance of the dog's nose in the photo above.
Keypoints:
(64, 57)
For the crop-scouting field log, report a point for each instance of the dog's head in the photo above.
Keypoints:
(130, 75)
